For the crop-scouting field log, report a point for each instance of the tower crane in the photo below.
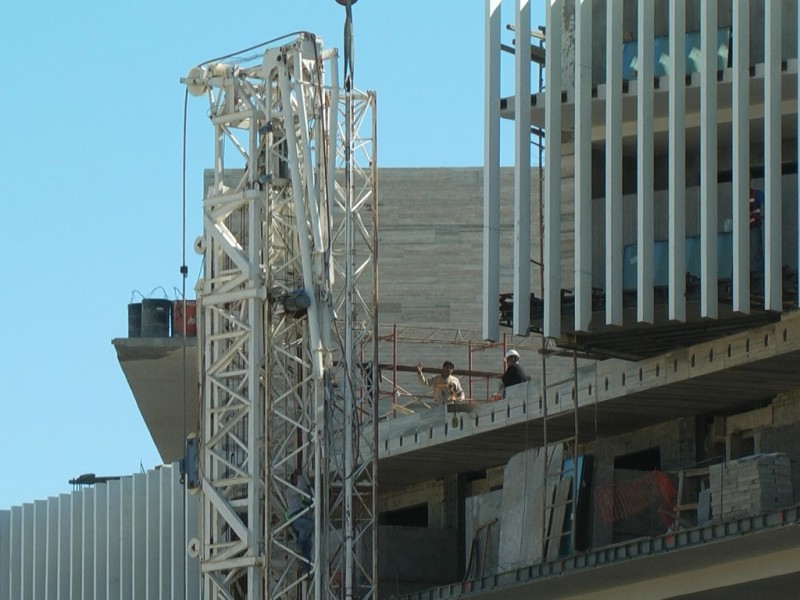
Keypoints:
(288, 327)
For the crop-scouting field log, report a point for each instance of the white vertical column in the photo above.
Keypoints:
(191, 509)
(583, 164)
(39, 590)
(677, 160)
(76, 543)
(64, 552)
(177, 552)
(113, 530)
(87, 544)
(15, 554)
(100, 540)
(127, 541)
(491, 173)
(522, 172)
(552, 170)
(51, 568)
(741, 155)
(773, 201)
(708, 160)
(152, 534)
(5, 554)
(139, 535)
(164, 532)
(26, 547)
(644, 158)
(614, 14)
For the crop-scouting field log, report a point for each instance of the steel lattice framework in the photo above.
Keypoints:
(288, 329)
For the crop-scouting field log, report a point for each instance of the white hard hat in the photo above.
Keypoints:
(511, 353)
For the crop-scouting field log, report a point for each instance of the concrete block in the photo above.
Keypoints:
(522, 481)
(482, 532)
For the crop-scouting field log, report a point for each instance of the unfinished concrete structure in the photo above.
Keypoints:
(667, 400)
(655, 365)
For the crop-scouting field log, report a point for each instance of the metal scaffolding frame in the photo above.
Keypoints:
(288, 338)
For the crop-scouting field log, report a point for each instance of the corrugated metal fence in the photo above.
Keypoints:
(125, 539)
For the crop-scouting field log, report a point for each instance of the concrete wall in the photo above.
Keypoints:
(431, 244)
(483, 523)
(415, 558)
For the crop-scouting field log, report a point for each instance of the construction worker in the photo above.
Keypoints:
(514, 373)
(446, 387)
(756, 232)
(298, 500)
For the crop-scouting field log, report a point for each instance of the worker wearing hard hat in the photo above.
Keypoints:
(514, 373)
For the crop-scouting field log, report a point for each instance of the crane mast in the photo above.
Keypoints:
(288, 336)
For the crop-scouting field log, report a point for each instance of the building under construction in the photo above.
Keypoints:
(641, 257)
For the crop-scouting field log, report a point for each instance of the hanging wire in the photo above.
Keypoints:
(184, 272)
(239, 53)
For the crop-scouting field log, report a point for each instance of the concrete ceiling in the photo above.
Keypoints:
(733, 374)
(163, 376)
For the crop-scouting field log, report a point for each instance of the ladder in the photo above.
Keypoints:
(561, 485)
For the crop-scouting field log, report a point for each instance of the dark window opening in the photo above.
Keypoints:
(475, 475)
(413, 516)
(644, 460)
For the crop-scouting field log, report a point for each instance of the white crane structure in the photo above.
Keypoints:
(288, 325)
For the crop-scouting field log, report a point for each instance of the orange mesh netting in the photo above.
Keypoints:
(622, 500)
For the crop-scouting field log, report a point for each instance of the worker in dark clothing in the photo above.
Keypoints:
(756, 232)
(514, 373)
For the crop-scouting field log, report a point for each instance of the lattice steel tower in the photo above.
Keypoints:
(288, 329)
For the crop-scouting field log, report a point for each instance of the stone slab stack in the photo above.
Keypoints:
(750, 486)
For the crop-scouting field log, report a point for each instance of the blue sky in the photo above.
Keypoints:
(91, 186)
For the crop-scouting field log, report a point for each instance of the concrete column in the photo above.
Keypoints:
(455, 493)
(552, 179)
(491, 173)
(583, 165)
(773, 202)
(644, 159)
(522, 171)
(708, 160)
(741, 155)
(614, 15)
(677, 161)
(602, 477)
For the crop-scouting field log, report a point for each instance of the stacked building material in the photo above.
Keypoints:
(750, 486)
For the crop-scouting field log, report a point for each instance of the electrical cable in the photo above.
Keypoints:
(184, 272)
(261, 45)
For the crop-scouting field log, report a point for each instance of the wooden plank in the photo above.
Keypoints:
(555, 460)
(556, 529)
